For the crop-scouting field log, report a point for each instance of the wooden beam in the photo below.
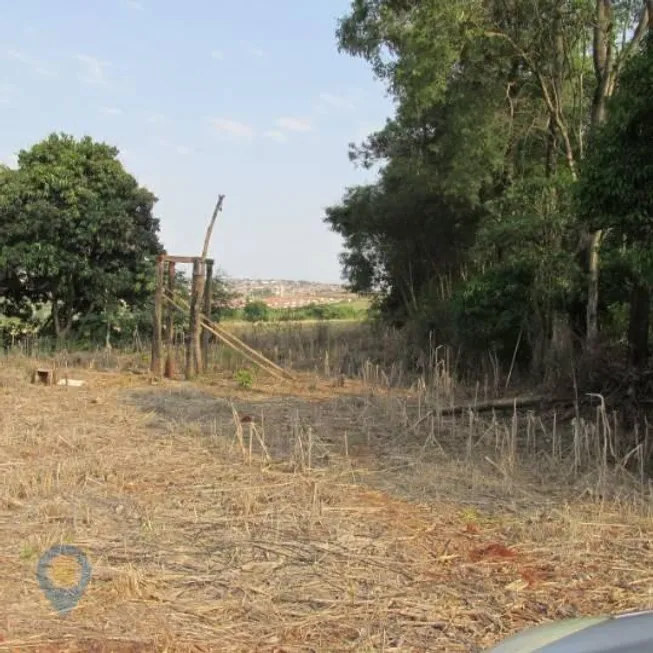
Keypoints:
(250, 358)
(170, 324)
(234, 343)
(206, 309)
(180, 259)
(193, 344)
(157, 319)
(209, 231)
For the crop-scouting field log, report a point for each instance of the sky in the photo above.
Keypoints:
(248, 99)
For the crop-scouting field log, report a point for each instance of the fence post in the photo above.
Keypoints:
(208, 287)
(193, 344)
(157, 317)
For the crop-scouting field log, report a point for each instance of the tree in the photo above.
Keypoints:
(222, 296)
(615, 188)
(472, 222)
(256, 312)
(77, 232)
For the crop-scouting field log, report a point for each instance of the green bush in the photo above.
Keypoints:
(257, 311)
(491, 309)
(244, 378)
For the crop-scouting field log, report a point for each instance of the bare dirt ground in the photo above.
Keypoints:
(277, 520)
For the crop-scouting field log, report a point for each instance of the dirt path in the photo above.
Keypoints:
(198, 543)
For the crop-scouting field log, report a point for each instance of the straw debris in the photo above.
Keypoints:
(310, 526)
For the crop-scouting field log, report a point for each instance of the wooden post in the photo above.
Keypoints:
(197, 343)
(170, 323)
(157, 318)
(209, 231)
(208, 286)
(193, 344)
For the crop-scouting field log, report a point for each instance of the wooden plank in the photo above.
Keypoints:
(181, 259)
(192, 359)
(206, 309)
(235, 342)
(251, 359)
(240, 347)
(169, 371)
(157, 319)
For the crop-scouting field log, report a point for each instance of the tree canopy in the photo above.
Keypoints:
(474, 229)
(77, 232)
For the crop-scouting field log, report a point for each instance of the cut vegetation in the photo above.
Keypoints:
(307, 517)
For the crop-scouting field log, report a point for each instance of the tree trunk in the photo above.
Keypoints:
(107, 336)
(640, 309)
(193, 354)
(604, 60)
(606, 69)
(157, 321)
(592, 332)
(62, 320)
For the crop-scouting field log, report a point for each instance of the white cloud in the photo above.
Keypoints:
(218, 55)
(111, 111)
(182, 150)
(18, 56)
(276, 135)
(94, 69)
(254, 50)
(35, 65)
(294, 125)
(43, 70)
(226, 128)
(7, 93)
(336, 101)
(156, 118)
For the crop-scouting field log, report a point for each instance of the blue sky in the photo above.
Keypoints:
(250, 99)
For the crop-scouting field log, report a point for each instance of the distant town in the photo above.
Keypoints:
(277, 293)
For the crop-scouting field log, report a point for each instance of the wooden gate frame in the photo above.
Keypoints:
(201, 325)
(196, 346)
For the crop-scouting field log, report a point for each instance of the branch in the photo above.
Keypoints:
(643, 26)
(515, 403)
(551, 107)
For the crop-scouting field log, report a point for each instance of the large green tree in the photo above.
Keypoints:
(615, 189)
(496, 101)
(77, 232)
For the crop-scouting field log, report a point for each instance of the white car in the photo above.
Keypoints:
(625, 633)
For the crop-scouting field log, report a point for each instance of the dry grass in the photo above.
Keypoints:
(318, 518)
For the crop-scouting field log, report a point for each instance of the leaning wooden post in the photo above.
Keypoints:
(192, 346)
(208, 287)
(170, 323)
(157, 319)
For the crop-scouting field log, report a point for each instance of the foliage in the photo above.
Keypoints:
(256, 311)
(614, 194)
(472, 230)
(617, 175)
(244, 378)
(76, 232)
(354, 311)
